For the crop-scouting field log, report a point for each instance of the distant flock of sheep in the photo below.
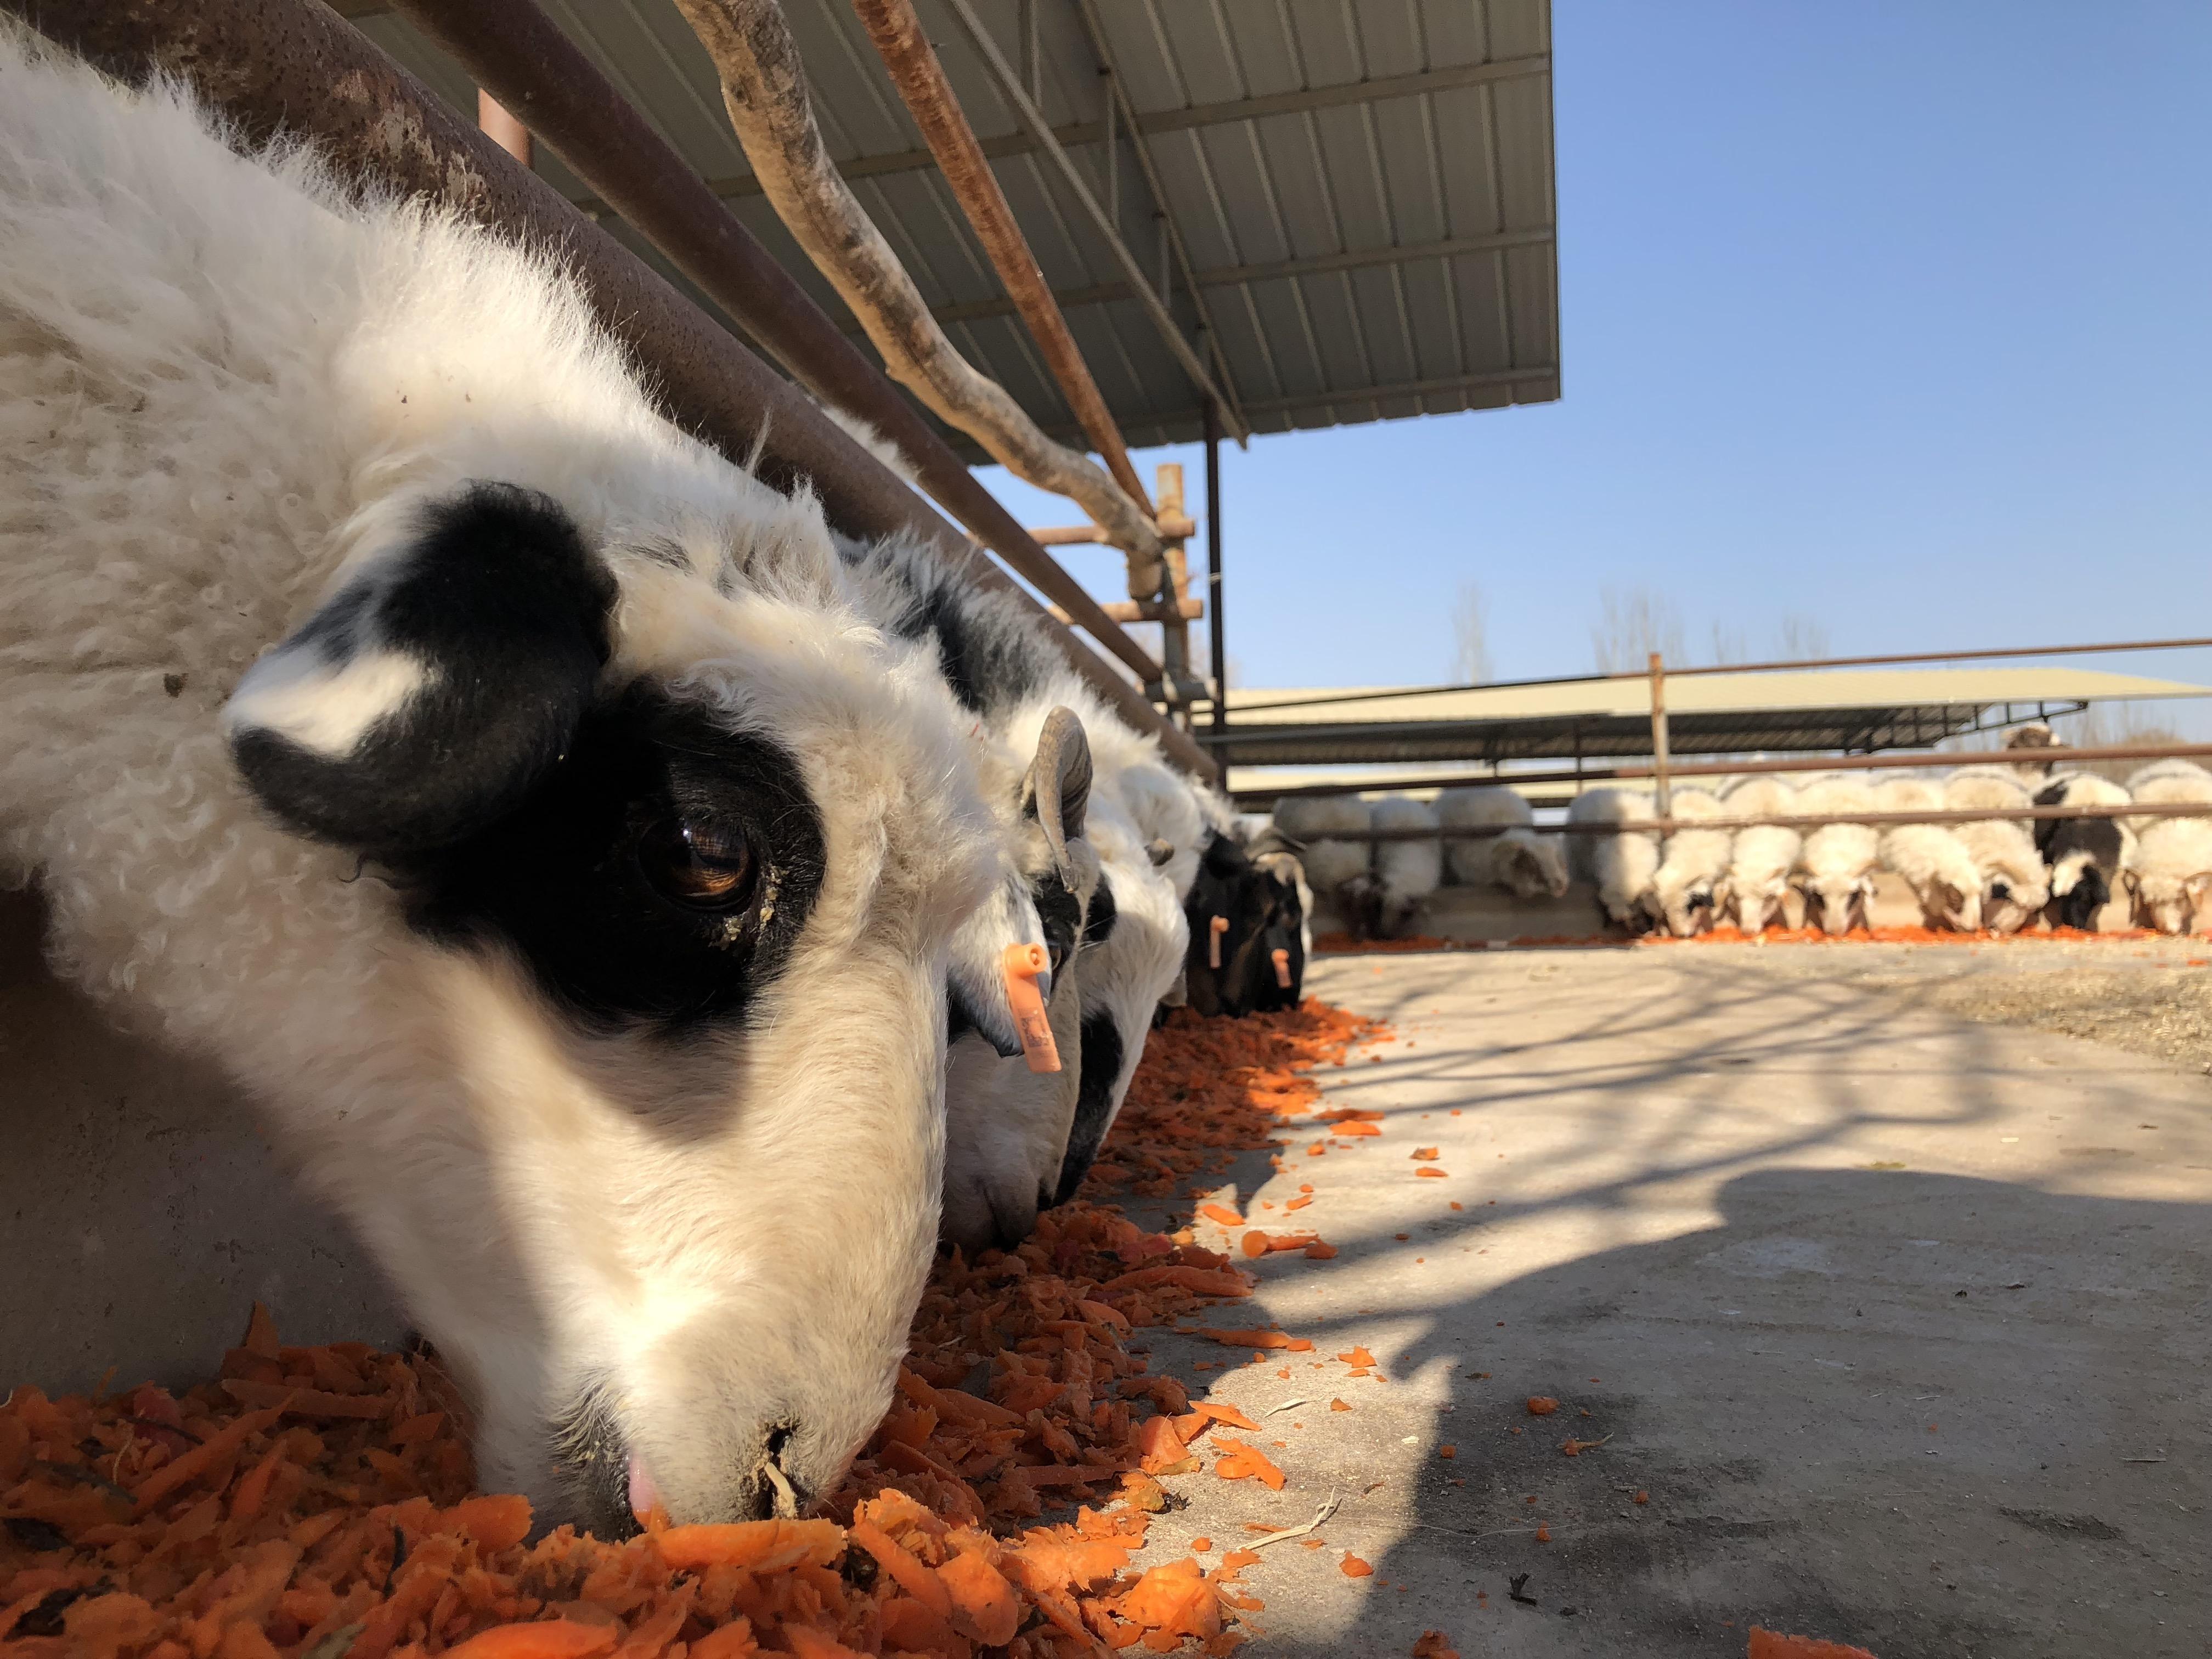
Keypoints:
(1999, 874)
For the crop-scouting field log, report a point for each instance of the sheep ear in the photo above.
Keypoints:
(1057, 791)
(434, 689)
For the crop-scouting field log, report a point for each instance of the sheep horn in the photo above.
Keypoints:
(1057, 789)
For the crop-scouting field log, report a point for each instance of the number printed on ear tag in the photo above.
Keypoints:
(1024, 964)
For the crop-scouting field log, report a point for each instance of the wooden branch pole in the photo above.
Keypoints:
(1136, 610)
(1169, 591)
(764, 91)
(906, 51)
(1661, 795)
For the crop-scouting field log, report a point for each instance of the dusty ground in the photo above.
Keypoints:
(1899, 1318)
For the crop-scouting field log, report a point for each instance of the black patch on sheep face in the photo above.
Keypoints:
(506, 610)
(1061, 913)
(1100, 1070)
(2090, 894)
(991, 659)
(663, 871)
(1104, 912)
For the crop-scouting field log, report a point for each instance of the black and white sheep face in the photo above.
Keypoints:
(1134, 949)
(1005, 1121)
(639, 1102)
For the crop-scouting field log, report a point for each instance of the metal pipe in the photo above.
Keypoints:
(517, 52)
(1661, 795)
(294, 67)
(1010, 88)
(902, 44)
(1663, 827)
(1216, 633)
(1896, 761)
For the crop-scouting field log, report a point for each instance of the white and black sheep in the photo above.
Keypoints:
(1692, 864)
(2172, 872)
(1762, 857)
(2084, 855)
(1098, 874)
(1408, 872)
(1342, 872)
(337, 535)
(1525, 864)
(1620, 864)
(1928, 857)
(1836, 867)
(2015, 887)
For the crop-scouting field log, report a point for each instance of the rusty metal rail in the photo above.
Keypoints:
(1892, 761)
(519, 55)
(901, 43)
(1665, 827)
(293, 66)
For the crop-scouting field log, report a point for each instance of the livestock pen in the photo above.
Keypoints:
(1261, 1338)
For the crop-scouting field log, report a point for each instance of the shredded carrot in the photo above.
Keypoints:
(1222, 1213)
(1541, 1405)
(318, 1500)
(1768, 1644)
(1352, 1567)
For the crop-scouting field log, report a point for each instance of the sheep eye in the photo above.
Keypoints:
(697, 869)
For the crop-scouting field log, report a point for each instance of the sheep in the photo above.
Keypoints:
(1525, 864)
(1407, 871)
(1109, 905)
(2033, 746)
(1620, 864)
(1836, 866)
(2084, 855)
(2013, 882)
(1761, 858)
(2171, 874)
(1340, 871)
(1929, 858)
(1693, 863)
(1249, 929)
(341, 543)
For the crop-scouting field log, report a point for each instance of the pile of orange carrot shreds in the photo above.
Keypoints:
(316, 1501)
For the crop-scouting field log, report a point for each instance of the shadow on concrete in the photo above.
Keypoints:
(1926, 1414)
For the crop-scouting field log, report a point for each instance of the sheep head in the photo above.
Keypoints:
(1007, 1124)
(631, 1073)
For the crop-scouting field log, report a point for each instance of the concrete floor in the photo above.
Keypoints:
(1899, 1320)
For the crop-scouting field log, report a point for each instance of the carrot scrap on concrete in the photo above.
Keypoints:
(1541, 1405)
(1434, 1644)
(315, 1501)
(1767, 1645)
(1352, 1567)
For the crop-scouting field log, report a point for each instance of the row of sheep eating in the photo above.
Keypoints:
(1998, 874)
(652, 918)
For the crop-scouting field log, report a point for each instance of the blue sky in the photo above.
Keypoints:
(1895, 316)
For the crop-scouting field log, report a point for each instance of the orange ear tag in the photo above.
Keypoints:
(1024, 964)
(1217, 928)
(1282, 968)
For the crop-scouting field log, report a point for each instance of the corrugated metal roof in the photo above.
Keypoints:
(1365, 191)
(1707, 715)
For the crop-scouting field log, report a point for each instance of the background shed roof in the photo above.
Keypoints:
(1365, 191)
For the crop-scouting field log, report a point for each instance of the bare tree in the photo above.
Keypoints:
(1631, 624)
(1470, 638)
(1800, 639)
